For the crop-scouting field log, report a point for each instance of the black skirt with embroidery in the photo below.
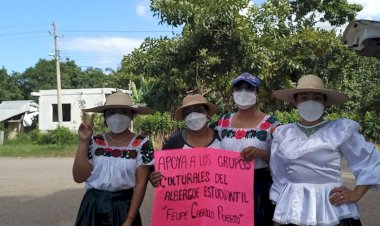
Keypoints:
(344, 222)
(104, 208)
(264, 208)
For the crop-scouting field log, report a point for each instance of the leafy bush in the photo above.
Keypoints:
(99, 126)
(287, 117)
(158, 127)
(35, 136)
(370, 125)
(369, 122)
(61, 135)
(149, 124)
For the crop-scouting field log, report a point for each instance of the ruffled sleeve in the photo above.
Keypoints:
(274, 123)
(223, 122)
(277, 166)
(89, 151)
(145, 155)
(97, 140)
(363, 158)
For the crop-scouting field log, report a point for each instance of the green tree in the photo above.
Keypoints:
(90, 78)
(276, 41)
(44, 76)
(9, 88)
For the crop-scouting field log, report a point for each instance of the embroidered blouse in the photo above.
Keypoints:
(306, 168)
(236, 139)
(114, 168)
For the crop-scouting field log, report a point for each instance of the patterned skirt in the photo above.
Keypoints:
(344, 222)
(104, 208)
(264, 208)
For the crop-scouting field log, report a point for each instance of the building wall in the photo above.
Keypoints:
(77, 98)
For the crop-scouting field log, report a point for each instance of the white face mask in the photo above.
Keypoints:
(118, 123)
(244, 99)
(311, 110)
(195, 121)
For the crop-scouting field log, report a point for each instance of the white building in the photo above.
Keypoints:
(73, 101)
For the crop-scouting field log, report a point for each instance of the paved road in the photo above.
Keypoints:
(41, 192)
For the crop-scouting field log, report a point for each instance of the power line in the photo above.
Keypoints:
(21, 38)
(22, 26)
(119, 31)
(22, 33)
(39, 33)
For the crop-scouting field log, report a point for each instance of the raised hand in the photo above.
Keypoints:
(85, 128)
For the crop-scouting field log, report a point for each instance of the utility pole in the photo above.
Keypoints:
(58, 71)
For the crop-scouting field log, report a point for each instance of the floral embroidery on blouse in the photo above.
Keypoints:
(107, 151)
(260, 133)
(116, 153)
(147, 152)
(137, 140)
(99, 140)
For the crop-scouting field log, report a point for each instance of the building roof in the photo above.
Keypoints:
(9, 109)
(53, 92)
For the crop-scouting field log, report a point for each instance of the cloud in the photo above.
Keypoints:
(370, 12)
(107, 45)
(143, 9)
(370, 9)
(99, 52)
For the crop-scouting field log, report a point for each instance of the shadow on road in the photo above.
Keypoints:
(57, 209)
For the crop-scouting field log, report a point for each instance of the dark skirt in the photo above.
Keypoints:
(264, 208)
(344, 222)
(104, 208)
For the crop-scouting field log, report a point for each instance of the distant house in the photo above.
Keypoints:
(73, 101)
(17, 115)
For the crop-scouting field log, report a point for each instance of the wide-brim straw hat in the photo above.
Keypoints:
(311, 84)
(191, 100)
(123, 101)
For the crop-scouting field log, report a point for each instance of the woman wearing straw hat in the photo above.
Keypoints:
(114, 165)
(249, 131)
(305, 161)
(196, 111)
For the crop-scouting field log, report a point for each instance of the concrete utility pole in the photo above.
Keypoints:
(59, 104)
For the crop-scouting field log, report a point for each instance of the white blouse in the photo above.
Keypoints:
(114, 168)
(236, 139)
(305, 170)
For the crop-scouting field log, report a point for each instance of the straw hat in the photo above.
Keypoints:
(191, 100)
(120, 100)
(311, 84)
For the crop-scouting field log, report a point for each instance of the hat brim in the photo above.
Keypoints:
(252, 83)
(332, 96)
(178, 114)
(137, 109)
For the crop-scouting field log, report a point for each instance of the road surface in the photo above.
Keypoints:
(41, 192)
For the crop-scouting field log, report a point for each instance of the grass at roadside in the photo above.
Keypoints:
(35, 150)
